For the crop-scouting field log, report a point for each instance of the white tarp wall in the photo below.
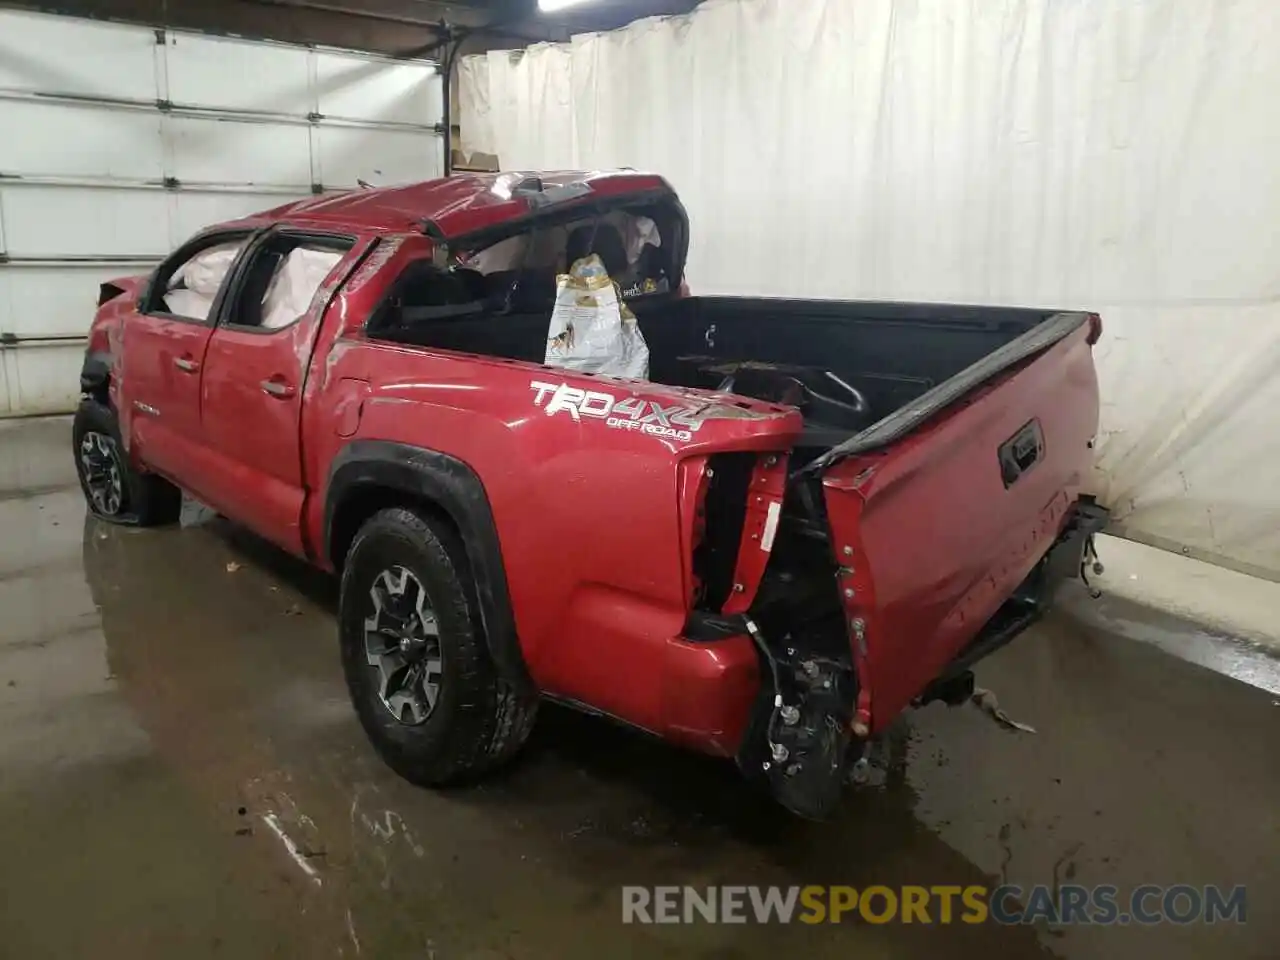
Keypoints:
(1122, 157)
(118, 142)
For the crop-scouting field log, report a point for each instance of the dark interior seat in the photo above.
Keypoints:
(522, 291)
(602, 239)
(256, 283)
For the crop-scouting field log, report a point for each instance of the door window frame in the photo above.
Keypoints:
(151, 303)
(237, 276)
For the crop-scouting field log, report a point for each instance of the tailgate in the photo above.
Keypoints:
(936, 521)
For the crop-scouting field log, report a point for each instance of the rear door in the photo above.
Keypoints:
(255, 378)
(164, 353)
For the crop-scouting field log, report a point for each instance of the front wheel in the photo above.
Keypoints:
(113, 488)
(413, 652)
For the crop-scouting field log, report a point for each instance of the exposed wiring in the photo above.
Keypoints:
(758, 637)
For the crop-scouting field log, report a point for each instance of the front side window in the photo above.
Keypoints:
(190, 290)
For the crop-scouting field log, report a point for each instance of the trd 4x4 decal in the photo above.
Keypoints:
(628, 413)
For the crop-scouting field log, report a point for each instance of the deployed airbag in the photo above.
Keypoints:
(194, 285)
(295, 284)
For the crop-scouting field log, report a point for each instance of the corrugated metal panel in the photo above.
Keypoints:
(190, 210)
(63, 291)
(239, 75)
(51, 221)
(121, 141)
(354, 88)
(59, 55)
(5, 406)
(41, 377)
(48, 222)
(50, 138)
(216, 150)
(378, 156)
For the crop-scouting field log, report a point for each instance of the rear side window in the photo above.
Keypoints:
(516, 275)
(457, 309)
(635, 246)
(278, 284)
(423, 292)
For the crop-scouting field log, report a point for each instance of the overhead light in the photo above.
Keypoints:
(552, 6)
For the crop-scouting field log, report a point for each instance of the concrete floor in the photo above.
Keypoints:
(171, 708)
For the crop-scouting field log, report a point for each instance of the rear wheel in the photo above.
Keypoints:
(113, 488)
(419, 673)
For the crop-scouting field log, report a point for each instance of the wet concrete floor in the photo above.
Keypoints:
(180, 775)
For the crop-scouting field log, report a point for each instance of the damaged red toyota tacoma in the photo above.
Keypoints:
(793, 520)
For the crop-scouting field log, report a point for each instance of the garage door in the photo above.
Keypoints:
(117, 142)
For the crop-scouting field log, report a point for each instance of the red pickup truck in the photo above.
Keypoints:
(809, 516)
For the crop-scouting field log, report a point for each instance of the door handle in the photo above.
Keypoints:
(277, 388)
(186, 364)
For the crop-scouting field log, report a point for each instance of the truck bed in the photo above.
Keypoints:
(895, 351)
(890, 354)
(942, 456)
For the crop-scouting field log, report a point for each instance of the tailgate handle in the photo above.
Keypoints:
(1021, 452)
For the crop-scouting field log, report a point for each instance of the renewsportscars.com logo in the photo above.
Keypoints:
(1065, 904)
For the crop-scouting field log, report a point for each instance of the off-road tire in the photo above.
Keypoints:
(147, 500)
(478, 721)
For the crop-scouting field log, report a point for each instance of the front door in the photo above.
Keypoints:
(255, 374)
(164, 347)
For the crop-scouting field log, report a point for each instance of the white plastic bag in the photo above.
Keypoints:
(592, 330)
